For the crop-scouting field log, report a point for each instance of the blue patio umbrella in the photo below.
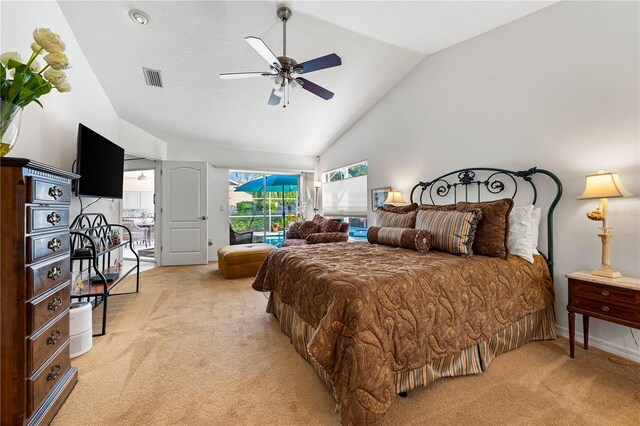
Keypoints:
(274, 183)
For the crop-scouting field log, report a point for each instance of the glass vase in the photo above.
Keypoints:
(10, 116)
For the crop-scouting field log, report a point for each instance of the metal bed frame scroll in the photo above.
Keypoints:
(469, 180)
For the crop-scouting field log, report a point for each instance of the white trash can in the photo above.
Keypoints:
(80, 329)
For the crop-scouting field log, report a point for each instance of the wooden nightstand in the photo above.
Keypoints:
(610, 299)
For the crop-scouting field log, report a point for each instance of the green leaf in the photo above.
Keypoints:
(38, 102)
(15, 64)
(3, 72)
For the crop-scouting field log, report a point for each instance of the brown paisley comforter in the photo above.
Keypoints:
(378, 310)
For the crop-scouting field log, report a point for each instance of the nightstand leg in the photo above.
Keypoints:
(585, 330)
(572, 334)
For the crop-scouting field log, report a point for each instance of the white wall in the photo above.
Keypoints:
(218, 210)
(557, 89)
(49, 135)
(236, 159)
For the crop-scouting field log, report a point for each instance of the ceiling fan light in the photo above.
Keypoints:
(295, 86)
(279, 92)
(276, 82)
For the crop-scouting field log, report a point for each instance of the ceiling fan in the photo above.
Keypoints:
(284, 72)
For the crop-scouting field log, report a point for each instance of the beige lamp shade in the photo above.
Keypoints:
(394, 197)
(604, 185)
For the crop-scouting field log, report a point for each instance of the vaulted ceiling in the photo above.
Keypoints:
(191, 42)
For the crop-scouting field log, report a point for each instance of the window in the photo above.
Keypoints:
(344, 196)
(354, 170)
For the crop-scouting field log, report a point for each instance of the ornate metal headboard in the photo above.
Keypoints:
(469, 182)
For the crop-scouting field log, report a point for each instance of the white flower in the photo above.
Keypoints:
(64, 87)
(49, 40)
(5, 57)
(57, 61)
(35, 66)
(55, 77)
(36, 48)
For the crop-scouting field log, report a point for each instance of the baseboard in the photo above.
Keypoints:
(612, 348)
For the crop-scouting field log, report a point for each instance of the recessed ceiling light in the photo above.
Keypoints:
(139, 17)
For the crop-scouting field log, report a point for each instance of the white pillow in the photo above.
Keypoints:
(536, 214)
(519, 239)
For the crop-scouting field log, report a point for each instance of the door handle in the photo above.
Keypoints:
(204, 218)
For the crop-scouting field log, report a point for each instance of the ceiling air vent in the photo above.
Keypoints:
(152, 77)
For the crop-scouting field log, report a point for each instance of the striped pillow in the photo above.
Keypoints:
(386, 219)
(451, 231)
(412, 239)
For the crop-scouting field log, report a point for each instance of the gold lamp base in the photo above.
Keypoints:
(606, 271)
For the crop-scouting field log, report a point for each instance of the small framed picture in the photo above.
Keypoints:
(378, 195)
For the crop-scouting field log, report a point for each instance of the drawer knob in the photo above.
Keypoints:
(55, 336)
(605, 293)
(55, 192)
(54, 373)
(54, 273)
(54, 244)
(53, 218)
(606, 308)
(55, 303)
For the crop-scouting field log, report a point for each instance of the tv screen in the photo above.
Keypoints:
(100, 165)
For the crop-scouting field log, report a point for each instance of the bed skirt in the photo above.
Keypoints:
(475, 359)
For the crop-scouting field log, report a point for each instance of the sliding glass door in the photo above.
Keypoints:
(261, 206)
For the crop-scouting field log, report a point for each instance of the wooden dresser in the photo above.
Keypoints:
(609, 299)
(35, 372)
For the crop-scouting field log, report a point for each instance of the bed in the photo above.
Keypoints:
(376, 321)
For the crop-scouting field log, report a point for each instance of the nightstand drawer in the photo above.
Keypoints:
(614, 310)
(602, 293)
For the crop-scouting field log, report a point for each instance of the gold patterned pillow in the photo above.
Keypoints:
(451, 231)
(385, 219)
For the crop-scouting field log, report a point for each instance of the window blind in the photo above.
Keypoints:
(346, 197)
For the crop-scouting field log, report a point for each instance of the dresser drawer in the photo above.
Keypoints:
(41, 190)
(43, 276)
(41, 383)
(43, 309)
(41, 346)
(604, 293)
(614, 310)
(42, 247)
(47, 218)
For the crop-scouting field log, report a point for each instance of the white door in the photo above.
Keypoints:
(184, 213)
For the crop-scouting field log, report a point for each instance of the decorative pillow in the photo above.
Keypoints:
(400, 209)
(293, 230)
(307, 228)
(451, 231)
(331, 225)
(493, 229)
(386, 219)
(327, 237)
(412, 239)
(536, 214)
(319, 220)
(445, 207)
(519, 239)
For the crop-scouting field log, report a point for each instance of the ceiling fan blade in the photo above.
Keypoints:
(273, 99)
(315, 89)
(264, 51)
(233, 75)
(321, 63)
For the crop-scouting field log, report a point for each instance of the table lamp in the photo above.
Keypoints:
(394, 198)
(604, 186)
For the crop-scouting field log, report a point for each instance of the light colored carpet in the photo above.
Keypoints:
(193, 348)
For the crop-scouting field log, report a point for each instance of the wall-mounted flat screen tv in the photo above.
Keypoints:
(100, 165)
